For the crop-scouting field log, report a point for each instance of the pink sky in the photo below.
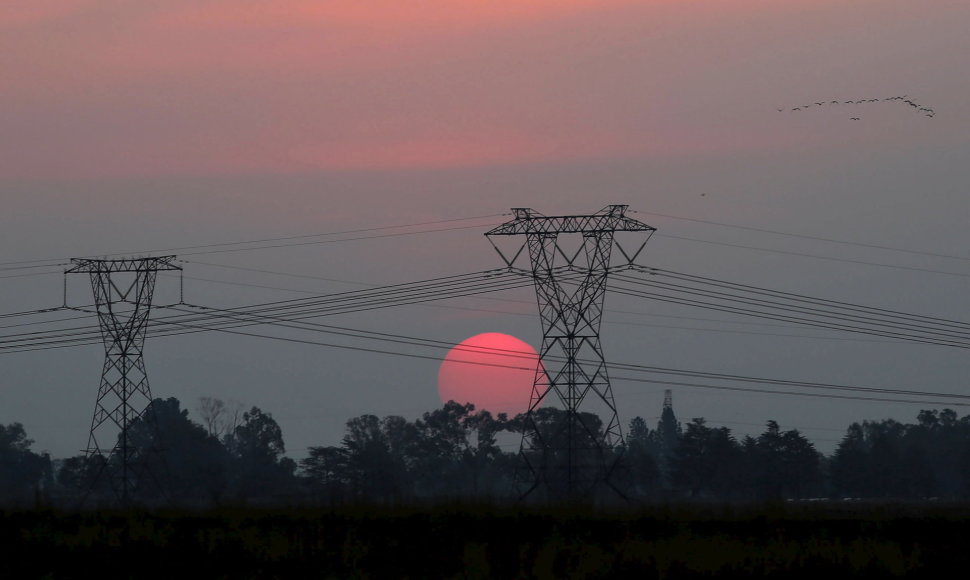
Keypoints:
(129, 125)
(100, 88)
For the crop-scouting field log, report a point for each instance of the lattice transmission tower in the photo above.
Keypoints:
(570, 260)
(123, 291)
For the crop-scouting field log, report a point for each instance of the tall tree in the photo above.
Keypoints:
(444, 451)
(325, 470)
(377, 465)
(707, 462)
(782, 464)
(848, 468)
(176, 457)
(666, 440)
(571, 454)
(22, 472)
(220, 418)
(640, 461)
(260, 467)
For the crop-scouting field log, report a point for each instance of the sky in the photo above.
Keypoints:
(134, 127)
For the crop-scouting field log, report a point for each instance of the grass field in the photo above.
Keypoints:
(488, 541)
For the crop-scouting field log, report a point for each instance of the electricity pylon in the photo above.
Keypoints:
(123, 291)
(571, 455)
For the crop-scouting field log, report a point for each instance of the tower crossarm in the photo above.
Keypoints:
(611, 218)
(96, 266)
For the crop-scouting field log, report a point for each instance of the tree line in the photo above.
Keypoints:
(233, 455)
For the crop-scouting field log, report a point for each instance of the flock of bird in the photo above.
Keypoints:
(925, 111)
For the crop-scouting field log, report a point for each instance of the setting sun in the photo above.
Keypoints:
(493, 371)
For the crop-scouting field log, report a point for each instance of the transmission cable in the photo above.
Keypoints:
(512, 353)
(285, 238)
(620, 378)
(797, 308)
(805, 237)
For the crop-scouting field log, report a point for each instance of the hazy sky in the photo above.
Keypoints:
(132, 126)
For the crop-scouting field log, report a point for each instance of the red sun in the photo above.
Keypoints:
(492, 371)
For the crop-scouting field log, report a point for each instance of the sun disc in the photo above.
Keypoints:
(492, 371)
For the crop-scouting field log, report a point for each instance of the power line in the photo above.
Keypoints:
(805, 297)
(339, 303)
(817, 257)
(807, 237)
(30, 275)
(277, 273)
(612, 311)
(812, 309)
(249, 318)
(455, 285)
(780, 317)
(512, 353)
(320, 242)
(630, 379)
(489, 298)
(30, 312)
(284, 238)
(796, 308)
(9, 268)
(419, 342)
(777, 392)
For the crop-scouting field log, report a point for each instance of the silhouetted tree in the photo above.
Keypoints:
(446, 459)
(484, 468)
(886, 459)
(219, 417)
(22, 472)
(570, 450)
(707, 462)
(665, 441)
(639, 475)
(82, 475)
(260, 468)
(176, 459)
(781, 464)
(848, 469)
(325, 470)
(377, 453)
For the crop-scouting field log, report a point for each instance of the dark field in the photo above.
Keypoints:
(464, 541)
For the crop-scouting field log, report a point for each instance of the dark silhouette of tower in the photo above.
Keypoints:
(123, 291)
(570, 258)
(668, 436)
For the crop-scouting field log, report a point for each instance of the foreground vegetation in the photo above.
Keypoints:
(454, 453)
(491, 541)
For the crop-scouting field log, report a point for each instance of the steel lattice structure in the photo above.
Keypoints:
(123, 291)
(571, 456)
